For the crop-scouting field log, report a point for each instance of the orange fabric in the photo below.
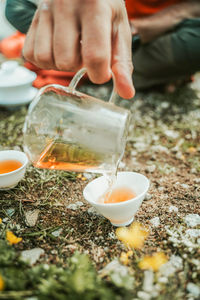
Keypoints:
(143, 8)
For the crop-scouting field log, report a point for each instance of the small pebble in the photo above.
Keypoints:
(76, 205)
(93, 211)
(88, 175)
(122, 165)
(151, 168)
(173, 208)
(57, 233)
(197, 180)
(163, 279)
(31, 217)
(148, 196)
(155, 222)
(143, 295)
(171, 134)
(193, 289)
(192, 220)
(193, 233)
(193, 171)
(185, 186)
(32, 255)
(10, 211)
(161, 188)
(79, 203)
(159, 148)
(73, 206)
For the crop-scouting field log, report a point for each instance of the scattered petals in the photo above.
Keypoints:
(133, 236)
(153, 262)
(2, 284)
(12, 239)
(191, 150)
(124, 258)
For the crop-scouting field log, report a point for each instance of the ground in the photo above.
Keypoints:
(163, 144)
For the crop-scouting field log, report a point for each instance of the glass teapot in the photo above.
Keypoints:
(68, 130)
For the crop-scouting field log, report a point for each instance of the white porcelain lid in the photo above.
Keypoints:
(11, 74)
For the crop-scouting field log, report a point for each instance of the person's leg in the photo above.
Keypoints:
(171, 57)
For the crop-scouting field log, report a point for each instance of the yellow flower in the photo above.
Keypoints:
(79, 175)
(83, 178)
(124, 257)
(133, 236)
(0, 220)
(191, 150)
(12, 239)
(2, 285)
(153, 262)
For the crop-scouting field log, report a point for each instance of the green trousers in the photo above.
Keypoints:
(174, 55)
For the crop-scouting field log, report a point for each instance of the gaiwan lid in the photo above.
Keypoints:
(11, 74)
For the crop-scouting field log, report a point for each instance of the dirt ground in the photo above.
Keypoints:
(48, 211)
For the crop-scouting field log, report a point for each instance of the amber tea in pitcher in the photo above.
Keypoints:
(69, 130)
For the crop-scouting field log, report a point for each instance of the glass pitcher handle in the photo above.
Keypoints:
(77, 77)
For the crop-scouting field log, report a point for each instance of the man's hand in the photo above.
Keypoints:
(66, 35)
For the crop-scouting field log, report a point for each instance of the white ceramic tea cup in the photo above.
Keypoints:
(11, 179)
(122, 213)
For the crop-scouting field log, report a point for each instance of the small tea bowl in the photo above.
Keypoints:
(10, 180)
(121, 213)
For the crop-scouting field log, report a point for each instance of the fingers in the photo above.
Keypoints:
(28, 49)
(96, 42)
(122, 66)
(66, 41)
(38, 42)
(43, 51)
(53, 40)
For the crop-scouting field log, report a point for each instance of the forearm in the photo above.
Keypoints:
(155, 25)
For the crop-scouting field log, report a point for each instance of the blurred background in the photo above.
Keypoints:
(5, 28)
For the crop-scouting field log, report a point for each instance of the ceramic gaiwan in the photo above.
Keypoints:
(9, 180)
(122, 213)
(16, 84)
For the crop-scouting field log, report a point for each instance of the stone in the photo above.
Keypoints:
(79, 203)
(185, 186)
(57, 233)
(88, 175)
(148, 196)
(197, 180)
(143, 295)
(32, 255)
(193, 233)
(193, 289)
(159, 148)
(72, 206)
(122, 165)
(93, 211)
(172, 134)
(31, 217)
(163, 279)
(155, 222)
(151, 168)
(177, 262)
(192, 220)
(148, 281)
(75, 206)
(10, 212)
(173, 208)
(140, 146)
